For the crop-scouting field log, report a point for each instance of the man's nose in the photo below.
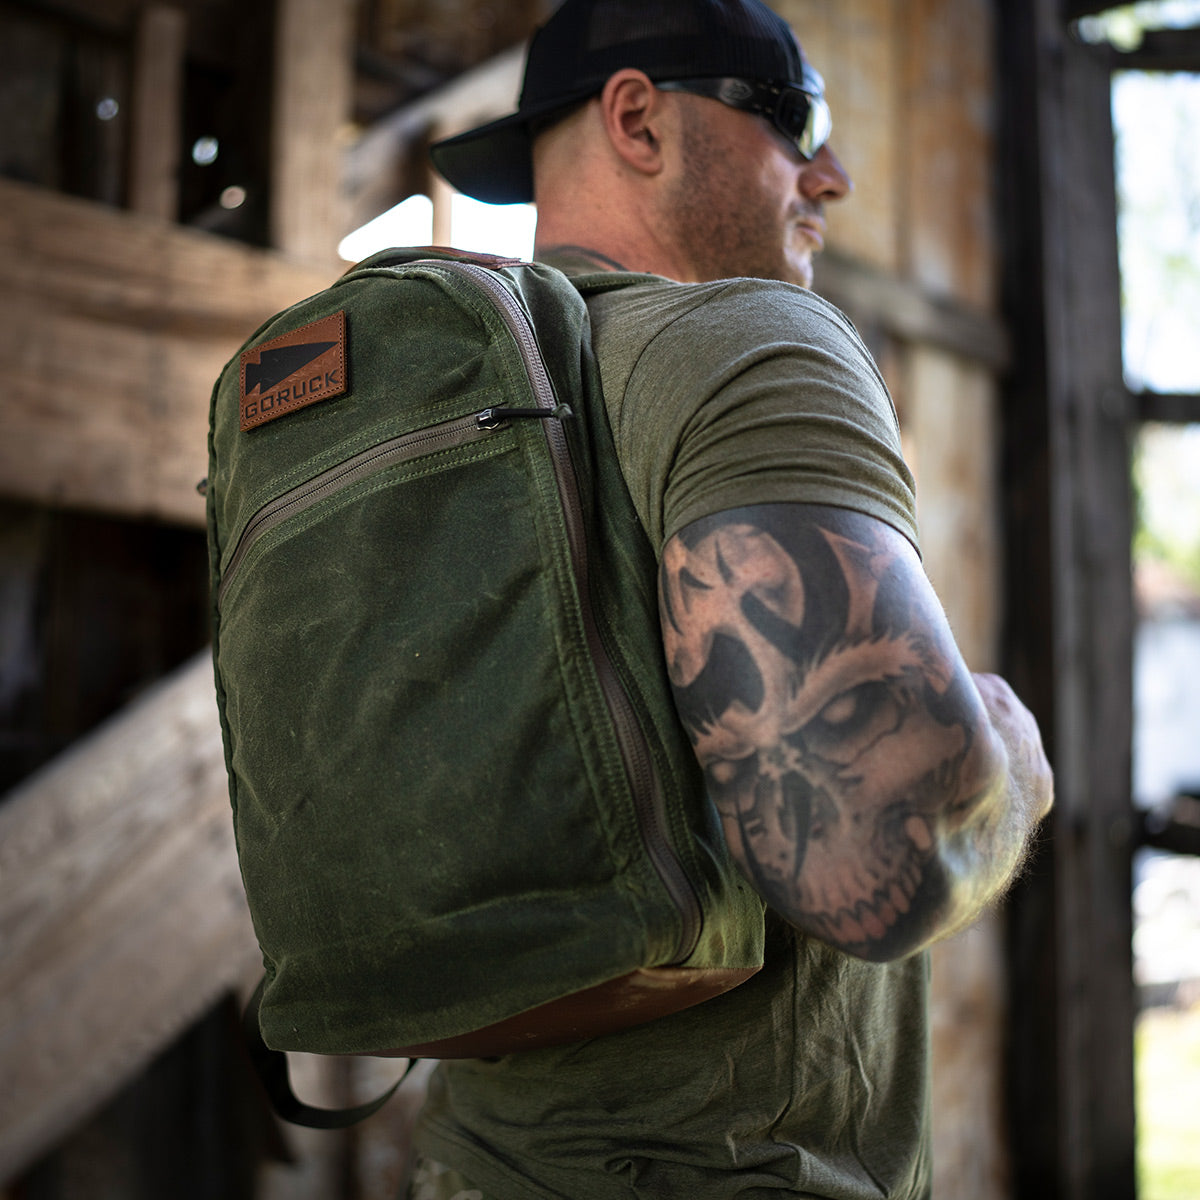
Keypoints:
(824, 178)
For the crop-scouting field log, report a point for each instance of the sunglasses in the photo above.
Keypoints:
(797, 110)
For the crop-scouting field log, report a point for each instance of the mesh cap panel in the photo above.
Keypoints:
(585, 42)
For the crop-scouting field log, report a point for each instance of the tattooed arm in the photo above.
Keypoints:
(875, 793)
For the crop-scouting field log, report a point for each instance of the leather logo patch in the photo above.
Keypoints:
(294, 370)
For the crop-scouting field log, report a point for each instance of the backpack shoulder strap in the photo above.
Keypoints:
(271, 1067)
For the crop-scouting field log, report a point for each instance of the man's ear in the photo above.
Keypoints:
(632, 110)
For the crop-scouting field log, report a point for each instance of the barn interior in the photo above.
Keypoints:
(172, 172)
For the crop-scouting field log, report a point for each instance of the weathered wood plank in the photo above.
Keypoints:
(111, 419)
(121, 909)
(314, 65)
(378, 165)
(967, 1017)
(112, 331)
(157, 111)
(489, 90)
(950, 428)
(116, 266)
(874, 298)
(946, 199)
(853, 44)
(952, 434)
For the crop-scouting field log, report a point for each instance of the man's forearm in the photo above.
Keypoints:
(874, 795)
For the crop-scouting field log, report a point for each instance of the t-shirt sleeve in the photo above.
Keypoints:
(756, 393)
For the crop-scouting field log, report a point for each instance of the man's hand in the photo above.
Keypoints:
(870, 791)
(1029, 770)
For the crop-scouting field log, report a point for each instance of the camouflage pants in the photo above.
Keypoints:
(433, 1181)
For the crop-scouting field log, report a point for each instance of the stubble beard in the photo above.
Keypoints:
(729, 230)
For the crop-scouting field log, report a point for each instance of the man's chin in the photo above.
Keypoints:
(798, 262)
(788, 268)
(800, 272)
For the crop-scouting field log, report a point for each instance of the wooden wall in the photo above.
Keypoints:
(122, 925)
(113, 324)
(912, 89)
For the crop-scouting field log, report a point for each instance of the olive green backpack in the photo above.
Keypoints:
(468, 819)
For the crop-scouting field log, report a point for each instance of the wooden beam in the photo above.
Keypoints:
(1173, 408)
(112, 16)
(374, 164)
(112, 331)
(90, 259)
(113, 328)
(475, 96)
(1072, 9)
(122, 916)
(314, 66)
(1162, 50)
(1165, 833)
(157, 111)
(873, 298)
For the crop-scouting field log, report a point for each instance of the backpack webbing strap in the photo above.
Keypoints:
(272, 1069)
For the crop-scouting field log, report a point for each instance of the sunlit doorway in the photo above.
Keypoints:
(1156, 114)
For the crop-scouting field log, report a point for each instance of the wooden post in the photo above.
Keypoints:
(441, 194)
(157, 111)
(313, 74)
(1070, 614)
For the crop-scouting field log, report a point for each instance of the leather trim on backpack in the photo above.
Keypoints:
(643, 995)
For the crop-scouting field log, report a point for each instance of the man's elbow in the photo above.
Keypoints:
(866, 911)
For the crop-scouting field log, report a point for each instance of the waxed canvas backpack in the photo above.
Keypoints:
(467, 817)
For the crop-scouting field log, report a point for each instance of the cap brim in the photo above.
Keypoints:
(494, 163)
(491, 163)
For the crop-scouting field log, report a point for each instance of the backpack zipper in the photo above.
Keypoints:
(455, 432)
(635, 751)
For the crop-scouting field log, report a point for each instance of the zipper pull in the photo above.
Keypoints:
(489, 418)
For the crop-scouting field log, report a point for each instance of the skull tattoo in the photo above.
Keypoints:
(823, 715)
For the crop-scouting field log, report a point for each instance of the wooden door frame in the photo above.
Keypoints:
(1069, 623)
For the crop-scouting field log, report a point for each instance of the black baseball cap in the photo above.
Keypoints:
(584, 42)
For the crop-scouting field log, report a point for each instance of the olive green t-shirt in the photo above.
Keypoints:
(743, 392)
(811, 1079)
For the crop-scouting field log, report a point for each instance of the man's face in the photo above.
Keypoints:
(747, 203)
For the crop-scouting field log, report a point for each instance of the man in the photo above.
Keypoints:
(874, 792)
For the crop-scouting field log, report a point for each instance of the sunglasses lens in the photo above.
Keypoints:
(805, 119)
(798, 112)
(820, 123)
